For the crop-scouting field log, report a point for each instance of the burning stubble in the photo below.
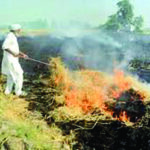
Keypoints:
(90, 90)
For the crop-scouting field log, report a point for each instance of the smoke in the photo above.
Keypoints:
(103, 51)
(90, 49)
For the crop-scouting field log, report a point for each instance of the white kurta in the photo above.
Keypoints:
(10, 64)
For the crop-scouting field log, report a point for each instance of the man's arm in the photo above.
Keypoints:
(9, 51)
(21, 54)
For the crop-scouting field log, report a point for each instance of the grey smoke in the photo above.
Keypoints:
(101, 50)
(91, 49)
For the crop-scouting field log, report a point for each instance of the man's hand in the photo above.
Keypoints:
(22, 55)
(26, 56)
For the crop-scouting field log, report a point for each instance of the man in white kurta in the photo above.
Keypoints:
(10, 63)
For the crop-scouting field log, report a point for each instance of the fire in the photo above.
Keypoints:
(89, 89)
(121, 82)
(123, 116)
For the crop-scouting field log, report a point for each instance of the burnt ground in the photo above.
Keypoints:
(89, 135)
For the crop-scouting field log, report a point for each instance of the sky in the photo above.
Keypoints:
(62, 12)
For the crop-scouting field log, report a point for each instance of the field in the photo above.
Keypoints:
(72, 104)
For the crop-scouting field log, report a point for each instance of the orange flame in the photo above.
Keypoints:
(123, 116)
(90, 89)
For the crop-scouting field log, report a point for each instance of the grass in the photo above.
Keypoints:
(27, 130)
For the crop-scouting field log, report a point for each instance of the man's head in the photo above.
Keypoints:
(15, 28)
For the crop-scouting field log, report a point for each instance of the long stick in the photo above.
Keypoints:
(38, 61)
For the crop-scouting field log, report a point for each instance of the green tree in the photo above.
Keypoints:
(124, 19)
(125, 12)
(112, 23)
(138, 23)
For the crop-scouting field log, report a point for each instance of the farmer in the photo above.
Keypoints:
(10, 62)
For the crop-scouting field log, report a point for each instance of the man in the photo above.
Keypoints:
(10, 63)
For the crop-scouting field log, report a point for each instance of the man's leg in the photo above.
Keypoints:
(19, 83)
(9, 84)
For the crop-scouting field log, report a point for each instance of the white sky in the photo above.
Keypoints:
(94, 12)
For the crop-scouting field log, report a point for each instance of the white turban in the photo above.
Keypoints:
(15, 27)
